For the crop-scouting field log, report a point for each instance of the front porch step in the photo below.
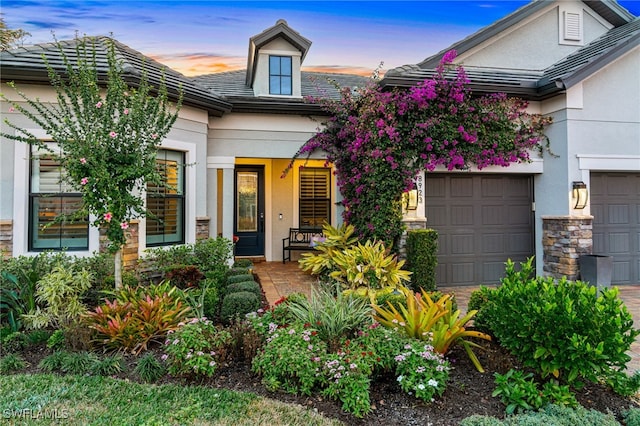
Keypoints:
(253, 259)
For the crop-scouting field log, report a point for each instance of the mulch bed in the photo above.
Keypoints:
(468, 391)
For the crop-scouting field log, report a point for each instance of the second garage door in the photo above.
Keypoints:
(615, 206)
(482, 220)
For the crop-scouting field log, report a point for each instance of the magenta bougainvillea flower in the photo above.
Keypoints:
(379, 140)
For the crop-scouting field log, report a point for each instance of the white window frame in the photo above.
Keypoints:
(190, 157)
(22, 176)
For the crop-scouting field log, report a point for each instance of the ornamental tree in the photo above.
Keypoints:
(379, 140)
(107, 134)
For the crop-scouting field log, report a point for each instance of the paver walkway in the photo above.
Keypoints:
(279, 280)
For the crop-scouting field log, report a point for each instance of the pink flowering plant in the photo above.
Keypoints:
(378, 141)
(296, 359)
(107, 136)
(291, 358)
(196, 348)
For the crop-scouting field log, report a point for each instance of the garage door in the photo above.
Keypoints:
(615, 206)
(482, 220)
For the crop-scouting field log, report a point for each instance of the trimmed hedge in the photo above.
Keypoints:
(237, 271)
(239, 278)
(422, 250)
(250, 286)
(238, 305)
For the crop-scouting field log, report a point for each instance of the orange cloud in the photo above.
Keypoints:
(194, 64)
(200, 63)
(339, 69)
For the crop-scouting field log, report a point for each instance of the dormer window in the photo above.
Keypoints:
(280, 75)
(275, 61)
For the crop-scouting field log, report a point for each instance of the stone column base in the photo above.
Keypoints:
(564, 240)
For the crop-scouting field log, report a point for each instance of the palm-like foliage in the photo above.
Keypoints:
(436, 321)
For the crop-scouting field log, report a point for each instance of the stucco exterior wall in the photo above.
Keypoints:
(259, 135)
(189, 134)
(539, 34)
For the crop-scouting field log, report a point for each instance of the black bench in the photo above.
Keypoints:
(301, 239)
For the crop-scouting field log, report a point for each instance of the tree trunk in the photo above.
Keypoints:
(118, 269)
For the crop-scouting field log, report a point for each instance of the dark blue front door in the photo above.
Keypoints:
(249, 217)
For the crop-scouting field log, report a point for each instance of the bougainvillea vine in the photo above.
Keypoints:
(379, 140)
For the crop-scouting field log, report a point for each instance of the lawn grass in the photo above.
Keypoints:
(93, 400)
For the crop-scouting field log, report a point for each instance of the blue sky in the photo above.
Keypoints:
(202, 36)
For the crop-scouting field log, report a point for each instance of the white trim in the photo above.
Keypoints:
(221, 162)
(21, 203)
(534, 167)
(190, 151)
(276, 52)
(590, 162)
(268, 200)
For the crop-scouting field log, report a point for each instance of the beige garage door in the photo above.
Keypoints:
(615, 206)
(482, 220)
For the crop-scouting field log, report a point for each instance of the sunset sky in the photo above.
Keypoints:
(201, 36)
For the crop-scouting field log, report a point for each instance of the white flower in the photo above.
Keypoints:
(400, 378)
(421, 386)
(432, 382)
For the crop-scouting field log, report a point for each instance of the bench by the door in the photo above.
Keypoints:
(302, 239)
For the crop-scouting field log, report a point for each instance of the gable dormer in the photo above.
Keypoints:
(274, 61)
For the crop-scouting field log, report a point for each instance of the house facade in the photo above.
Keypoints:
(576, 61)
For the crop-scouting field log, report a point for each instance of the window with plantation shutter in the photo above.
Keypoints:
(165, 203)
(315, 197)
(53, 204)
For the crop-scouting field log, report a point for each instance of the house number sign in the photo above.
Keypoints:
(419, 188)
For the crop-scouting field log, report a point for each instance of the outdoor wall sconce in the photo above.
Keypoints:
(580, 195)
(411, 199)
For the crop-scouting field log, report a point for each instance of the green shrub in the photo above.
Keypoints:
(12, 363)
(550, 415)
(519, 392)
(80, 363)
(108, 366)
(478, 301)
(243, 263)
(59, 292)
(624, 384)
(237, 271)
(561, 328)
(250, 286)
(239, 278)
(38, 337)
(70, 362)
(53, 363)
(213, 254)
(632, 417)
(149, 369)
(197, 348)
(422, 260)
(208, 255)
(334, 318)
(204, 301)
(56, 340)
(14, 342)
(238, 305)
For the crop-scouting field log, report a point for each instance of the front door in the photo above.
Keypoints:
(249, 217)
